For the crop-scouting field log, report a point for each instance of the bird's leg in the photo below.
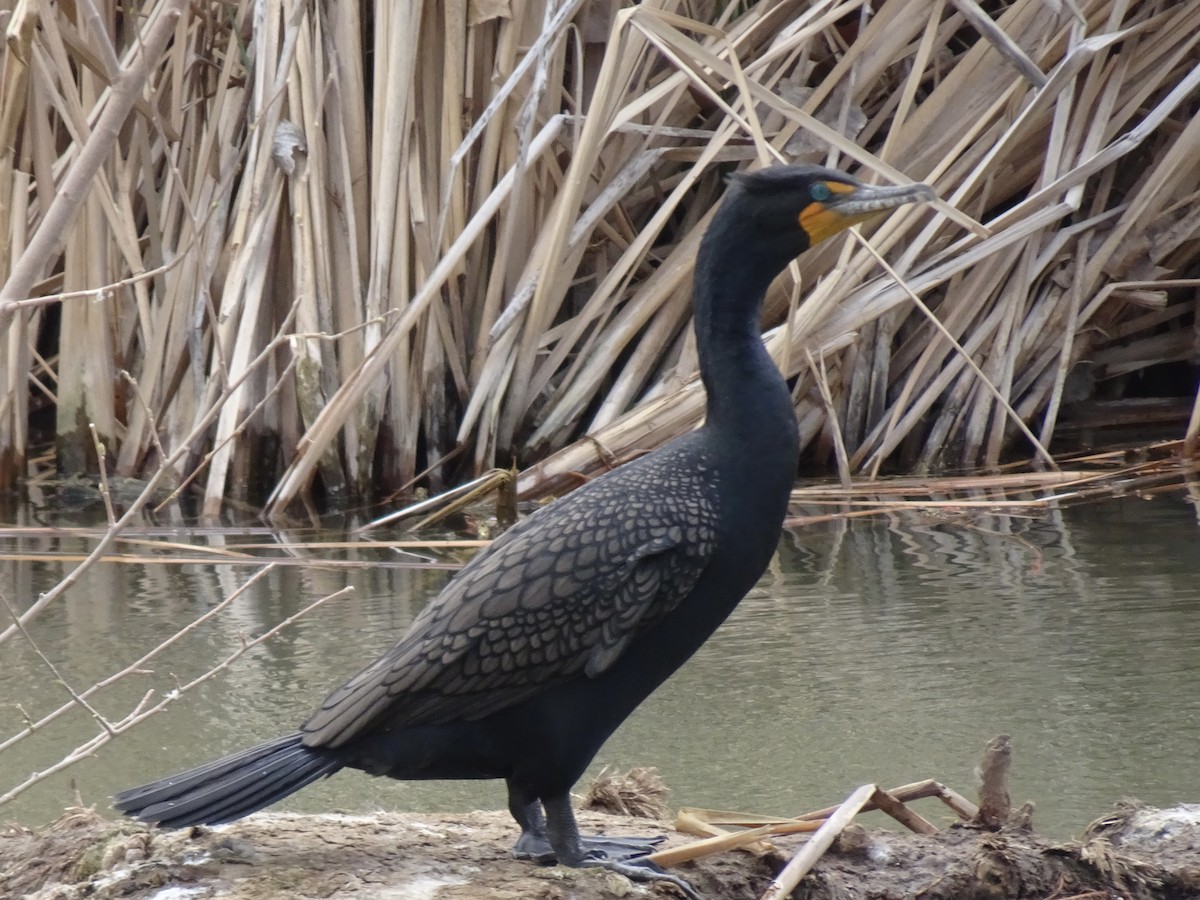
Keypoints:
(533, 844)
(617, 854)
(527, 810)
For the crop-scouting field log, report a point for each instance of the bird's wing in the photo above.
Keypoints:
(561, 594)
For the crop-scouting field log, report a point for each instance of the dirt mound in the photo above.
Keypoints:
(1136, 853)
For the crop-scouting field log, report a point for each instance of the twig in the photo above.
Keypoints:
(141, 712)
(102, 465)
(58, 676)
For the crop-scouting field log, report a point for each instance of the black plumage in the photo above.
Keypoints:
(545, 642)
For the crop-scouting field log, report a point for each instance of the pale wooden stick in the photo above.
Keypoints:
(733, 840)
(800, 865)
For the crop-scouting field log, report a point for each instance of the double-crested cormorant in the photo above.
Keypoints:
(540, 647)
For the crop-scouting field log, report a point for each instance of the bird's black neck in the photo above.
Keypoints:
(746, 392)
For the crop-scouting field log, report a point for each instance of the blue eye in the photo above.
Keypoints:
(820, 192)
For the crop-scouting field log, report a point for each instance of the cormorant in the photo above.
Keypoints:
(536, 651)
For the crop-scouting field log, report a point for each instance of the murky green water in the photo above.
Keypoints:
(885, 650)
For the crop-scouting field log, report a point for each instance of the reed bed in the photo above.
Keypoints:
(261, 249)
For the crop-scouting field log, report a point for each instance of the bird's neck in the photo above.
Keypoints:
(747, 395)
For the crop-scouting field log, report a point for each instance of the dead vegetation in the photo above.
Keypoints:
(640, 793)
(989, 853)
(347, 244)
(1137, 853)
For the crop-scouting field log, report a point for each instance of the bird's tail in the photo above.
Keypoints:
(228, 788)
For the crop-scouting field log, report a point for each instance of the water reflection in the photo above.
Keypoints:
(886, 649)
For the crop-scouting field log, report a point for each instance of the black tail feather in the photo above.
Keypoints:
(232, 797)
(228, 788)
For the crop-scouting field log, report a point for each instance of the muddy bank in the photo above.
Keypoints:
(1136, 853)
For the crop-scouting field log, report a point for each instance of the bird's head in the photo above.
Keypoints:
(792, 208)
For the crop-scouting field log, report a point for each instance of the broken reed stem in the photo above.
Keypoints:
(722, 843)
(449, 502)
(993, 812)
(801, 864)
(706, 823)
(890, 804)
(865, 797)
(918, 790)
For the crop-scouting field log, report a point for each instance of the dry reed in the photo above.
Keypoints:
(260, 244)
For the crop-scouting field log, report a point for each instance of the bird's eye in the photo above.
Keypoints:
(820, 192)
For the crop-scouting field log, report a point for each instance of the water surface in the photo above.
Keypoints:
(884, 650)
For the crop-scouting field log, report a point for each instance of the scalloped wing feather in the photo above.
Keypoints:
(562, 594)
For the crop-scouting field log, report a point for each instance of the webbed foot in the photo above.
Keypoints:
(537, 847)
(641, 869)
(554, 837)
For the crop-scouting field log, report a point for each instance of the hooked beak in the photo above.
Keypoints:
(849, 204)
